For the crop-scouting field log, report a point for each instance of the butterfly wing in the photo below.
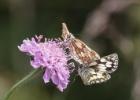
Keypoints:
(66, 35)
(93, 75)
(98, 71)
(109, 63)
(79, 50)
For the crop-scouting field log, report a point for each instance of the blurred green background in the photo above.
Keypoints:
(107, 26)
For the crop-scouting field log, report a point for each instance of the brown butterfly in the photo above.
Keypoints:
(94, 69)
(80, 51)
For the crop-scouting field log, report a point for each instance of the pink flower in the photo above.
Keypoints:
(51, 56)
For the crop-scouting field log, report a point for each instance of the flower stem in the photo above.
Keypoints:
(21, 82)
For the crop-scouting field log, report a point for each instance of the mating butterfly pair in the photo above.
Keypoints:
(95, 69)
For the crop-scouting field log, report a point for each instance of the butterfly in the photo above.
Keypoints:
(93, 68)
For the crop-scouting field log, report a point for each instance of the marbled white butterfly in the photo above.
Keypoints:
(94, 69)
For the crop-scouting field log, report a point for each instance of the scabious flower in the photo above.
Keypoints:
(49, 55)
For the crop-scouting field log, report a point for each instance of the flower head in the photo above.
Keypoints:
(51, 56)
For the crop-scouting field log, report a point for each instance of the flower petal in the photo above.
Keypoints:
(47, 76)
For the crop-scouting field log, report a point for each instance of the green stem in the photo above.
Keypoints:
(21, 82)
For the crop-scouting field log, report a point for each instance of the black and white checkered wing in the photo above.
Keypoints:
(99, 70)
(109, 63)
(91, 76)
